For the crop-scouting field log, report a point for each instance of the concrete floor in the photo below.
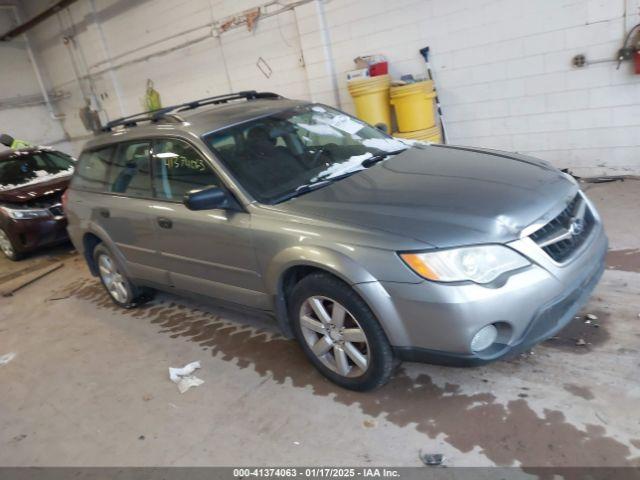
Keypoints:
(89, 383)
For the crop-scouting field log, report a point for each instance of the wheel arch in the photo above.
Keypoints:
(89, 243)
(93, 237)
(292, 264)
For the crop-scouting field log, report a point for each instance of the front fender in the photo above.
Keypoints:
(323, 258)
(334, 262)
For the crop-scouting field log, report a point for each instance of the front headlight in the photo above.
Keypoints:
(482, 264)
(25, 214)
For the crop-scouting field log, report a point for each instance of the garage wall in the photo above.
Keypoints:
(133, 34)
(504, 71)
(502, 66)
(22, 110)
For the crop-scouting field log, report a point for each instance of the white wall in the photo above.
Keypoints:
(503, 67)
(18, 83)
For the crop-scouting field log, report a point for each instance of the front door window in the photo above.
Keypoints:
(178, 168)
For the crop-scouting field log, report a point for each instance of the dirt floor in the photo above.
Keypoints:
(89, 383)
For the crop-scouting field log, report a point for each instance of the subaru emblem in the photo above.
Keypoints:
(576, 226)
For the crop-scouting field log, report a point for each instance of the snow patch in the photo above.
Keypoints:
(353, 164)
(40, 176)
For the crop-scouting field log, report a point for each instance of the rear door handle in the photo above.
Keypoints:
(103, 212)
(165, 222)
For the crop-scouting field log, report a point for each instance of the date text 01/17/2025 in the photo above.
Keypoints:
(315, 472)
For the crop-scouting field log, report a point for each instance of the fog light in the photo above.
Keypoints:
(484, 338)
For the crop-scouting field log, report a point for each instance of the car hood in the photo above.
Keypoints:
(444, 196)
(33, 191)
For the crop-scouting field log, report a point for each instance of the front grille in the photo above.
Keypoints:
(567, 232)
(46, 201)
(56, 210)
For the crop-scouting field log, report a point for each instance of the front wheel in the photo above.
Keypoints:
(340, 334)
(121, 290)
(7, 247)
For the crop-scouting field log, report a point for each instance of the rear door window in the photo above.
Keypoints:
(179, 168)
(130, 169)
(91, 172)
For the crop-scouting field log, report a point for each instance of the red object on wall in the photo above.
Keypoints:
(636, 61)
(380, 68)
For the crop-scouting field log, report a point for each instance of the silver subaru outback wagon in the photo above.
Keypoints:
(367, 249)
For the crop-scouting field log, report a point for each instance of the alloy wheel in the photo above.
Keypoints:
(113, 280)
(334, 336)
(5, 244)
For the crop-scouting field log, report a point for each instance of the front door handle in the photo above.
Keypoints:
(165, 222)
(104, 212)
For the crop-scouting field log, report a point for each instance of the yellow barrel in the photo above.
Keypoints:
(427, 135)
(414, 106)
(371, 97)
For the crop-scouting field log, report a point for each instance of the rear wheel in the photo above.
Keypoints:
(121, 290)
(6, 245)
(340, 334)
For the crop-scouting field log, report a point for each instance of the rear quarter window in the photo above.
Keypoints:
(130, 169)
(92, 169)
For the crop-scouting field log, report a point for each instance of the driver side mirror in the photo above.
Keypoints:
(208, 198)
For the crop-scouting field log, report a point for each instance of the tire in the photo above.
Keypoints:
(122, 291)
(357, 340)
(8, 248)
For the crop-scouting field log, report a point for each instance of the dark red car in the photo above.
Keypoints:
(32, 182)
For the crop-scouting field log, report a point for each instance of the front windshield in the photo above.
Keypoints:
(28, 167)
(276, 156)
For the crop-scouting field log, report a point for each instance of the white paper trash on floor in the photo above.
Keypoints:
(4, 359)
(184, 378)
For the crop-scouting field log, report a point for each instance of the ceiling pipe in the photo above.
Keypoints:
(329, 61)
(41, 17)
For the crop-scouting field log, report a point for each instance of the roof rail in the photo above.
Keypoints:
(154, 116)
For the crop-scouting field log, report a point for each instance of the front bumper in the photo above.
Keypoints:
(434, 323)
(27, 235)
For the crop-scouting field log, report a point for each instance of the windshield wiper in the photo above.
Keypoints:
(301, 190)
(367, 162)
(309, 187)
